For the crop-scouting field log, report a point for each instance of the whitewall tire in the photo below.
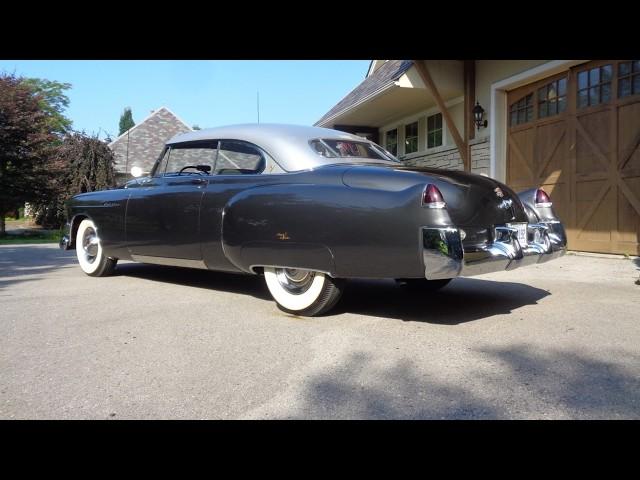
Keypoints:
(302, 292)
(89, 251)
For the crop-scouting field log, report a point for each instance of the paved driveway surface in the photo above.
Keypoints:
(561, 340)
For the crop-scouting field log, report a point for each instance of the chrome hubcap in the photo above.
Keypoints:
(294, 280)
(90, 244)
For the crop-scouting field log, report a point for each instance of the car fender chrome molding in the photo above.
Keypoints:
(253, 267)
(444, 255)
(173, 262)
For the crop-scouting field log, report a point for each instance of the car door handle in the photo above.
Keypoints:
(198, 181)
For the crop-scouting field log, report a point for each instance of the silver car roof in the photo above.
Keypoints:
(287, 144)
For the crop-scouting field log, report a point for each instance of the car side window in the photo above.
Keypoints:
(189, 154)
(239, 158)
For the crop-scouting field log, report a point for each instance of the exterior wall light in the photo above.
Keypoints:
(478, 116)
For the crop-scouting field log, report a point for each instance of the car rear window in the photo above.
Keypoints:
(332, 148)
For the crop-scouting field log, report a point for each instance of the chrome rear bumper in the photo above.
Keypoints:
(445, 256)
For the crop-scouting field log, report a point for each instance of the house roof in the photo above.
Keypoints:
(141, 145)
(155, 112)
(380, 79)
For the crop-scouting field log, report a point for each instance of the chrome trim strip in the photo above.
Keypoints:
(251, 267)
(173, 262)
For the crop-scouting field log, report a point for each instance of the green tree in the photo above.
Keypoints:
(26, 141)
(126, 121)
(80, 164)
(196, 127)
(53, 102)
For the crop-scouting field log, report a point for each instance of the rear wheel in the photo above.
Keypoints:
(303, 292)
(424, 285)
(89, 251)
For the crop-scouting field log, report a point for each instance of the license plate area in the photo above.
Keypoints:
(522, 231)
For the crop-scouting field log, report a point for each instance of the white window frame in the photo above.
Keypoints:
(443, 128)
(397, 140)
(404, 143)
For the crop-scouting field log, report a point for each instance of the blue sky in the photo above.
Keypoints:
(207, 93)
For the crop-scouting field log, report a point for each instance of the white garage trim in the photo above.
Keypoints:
(498, 118)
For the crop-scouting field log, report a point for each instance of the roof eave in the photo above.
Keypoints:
(354, 106)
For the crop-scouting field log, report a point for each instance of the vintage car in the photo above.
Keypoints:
(309, 208)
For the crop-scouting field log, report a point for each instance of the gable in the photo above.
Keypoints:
(141, 145)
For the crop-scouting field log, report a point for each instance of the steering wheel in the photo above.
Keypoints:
(199, 172)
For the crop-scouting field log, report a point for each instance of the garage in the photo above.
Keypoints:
(577, 133)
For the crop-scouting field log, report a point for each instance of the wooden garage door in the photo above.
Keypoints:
(577, 134)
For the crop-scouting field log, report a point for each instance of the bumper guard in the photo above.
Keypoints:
(445, 257)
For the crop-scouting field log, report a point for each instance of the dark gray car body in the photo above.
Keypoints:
(350, 218)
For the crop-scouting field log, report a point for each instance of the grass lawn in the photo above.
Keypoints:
(35, 237)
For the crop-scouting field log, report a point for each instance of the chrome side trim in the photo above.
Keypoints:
(253, 267)
(173, 262)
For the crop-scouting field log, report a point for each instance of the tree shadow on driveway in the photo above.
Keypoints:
(463, 300)
(26, 263)
(529, 384)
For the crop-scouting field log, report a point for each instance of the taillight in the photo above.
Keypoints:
(432, 198)
(542, 199)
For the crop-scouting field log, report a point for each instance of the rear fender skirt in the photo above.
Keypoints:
(278, 225)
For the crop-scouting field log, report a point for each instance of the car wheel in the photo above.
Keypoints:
(89, 251)
(424, 285)
(303, 292)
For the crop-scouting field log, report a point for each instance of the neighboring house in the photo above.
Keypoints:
(141, 145)
(571, 126)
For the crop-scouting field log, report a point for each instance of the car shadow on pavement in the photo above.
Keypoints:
(463, 300)
(226, 282)
(25, 263)
(529, 383)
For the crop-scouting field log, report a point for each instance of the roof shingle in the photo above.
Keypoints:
(389, 72)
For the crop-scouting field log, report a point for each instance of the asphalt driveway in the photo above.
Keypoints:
(560, 340)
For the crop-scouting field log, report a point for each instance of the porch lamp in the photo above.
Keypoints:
(478, 116)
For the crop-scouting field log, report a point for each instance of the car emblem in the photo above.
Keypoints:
(283, 236)
(499, 192)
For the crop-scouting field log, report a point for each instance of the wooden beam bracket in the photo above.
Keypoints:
(423, 71)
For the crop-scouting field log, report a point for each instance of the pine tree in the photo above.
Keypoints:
(126, 121)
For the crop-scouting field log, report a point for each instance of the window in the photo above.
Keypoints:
(434, 130)
(521, 111)
(628, 78)
(411, 138)
(594, 86)
(391, 143)
(239, 158)
(552, 98)
(347, 148)
(188, 154)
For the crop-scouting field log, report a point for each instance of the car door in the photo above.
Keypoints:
(240, 165)
(163, 212)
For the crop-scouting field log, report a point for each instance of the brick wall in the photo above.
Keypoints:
(449, 158)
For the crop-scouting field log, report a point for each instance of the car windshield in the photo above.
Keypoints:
(331, 148)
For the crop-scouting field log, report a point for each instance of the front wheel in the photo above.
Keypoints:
(303, 292)
(89, 251)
